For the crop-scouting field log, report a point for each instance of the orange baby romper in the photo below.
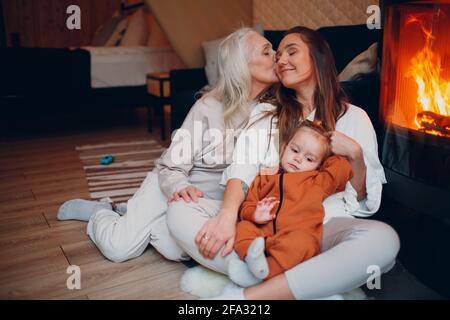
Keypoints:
(295, 235)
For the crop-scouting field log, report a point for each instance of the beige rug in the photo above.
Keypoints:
(120, 179)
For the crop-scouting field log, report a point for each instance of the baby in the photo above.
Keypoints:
(282, 216)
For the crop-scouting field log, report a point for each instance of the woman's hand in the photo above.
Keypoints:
(216, 233)
(187, 194)
(343, 145)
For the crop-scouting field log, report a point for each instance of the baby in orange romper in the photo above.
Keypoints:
(282, 216)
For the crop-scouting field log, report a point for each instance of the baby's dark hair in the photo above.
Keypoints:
(318, 129)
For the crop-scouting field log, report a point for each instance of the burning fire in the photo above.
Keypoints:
(433, 94)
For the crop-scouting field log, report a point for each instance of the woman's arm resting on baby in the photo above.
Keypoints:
(221, 230)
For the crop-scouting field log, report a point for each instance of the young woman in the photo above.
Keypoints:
(192, 167)
(351, 247)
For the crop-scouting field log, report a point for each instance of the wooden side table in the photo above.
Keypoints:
(158, 84)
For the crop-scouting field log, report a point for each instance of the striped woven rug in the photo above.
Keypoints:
(120, 179)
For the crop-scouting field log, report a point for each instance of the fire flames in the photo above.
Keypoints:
(433, 91)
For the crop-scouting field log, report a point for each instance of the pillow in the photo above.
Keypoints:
(364, 63)
(118, 33)
(105, 31)
(211, 51)
(136, 33)
(259, 28)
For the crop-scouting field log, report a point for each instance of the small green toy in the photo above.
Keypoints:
(107, 160)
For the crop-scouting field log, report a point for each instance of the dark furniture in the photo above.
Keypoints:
(38, 81)
(346, 42)
(44, 72)
(158, 100)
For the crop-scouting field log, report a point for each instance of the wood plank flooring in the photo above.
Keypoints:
(36, 176)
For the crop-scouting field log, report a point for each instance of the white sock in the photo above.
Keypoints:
(240, 274)
(230, 292)
(79, 209)
(121, 208)
(256, 259)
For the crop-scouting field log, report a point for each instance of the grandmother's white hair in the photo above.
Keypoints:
(233, 87)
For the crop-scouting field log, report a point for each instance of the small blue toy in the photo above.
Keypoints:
(107, 160)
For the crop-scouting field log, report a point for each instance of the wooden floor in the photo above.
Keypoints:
(36, 176)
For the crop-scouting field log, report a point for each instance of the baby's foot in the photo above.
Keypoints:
(240, 274)
(79, 209)
(256, 259)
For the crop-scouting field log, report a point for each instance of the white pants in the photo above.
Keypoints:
(350, 248)
(120, 238)
(186, 219)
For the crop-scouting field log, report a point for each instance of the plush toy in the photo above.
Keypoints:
(107, 160)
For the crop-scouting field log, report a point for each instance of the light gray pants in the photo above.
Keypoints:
(350, 246)
(121, 238)
(186, 219)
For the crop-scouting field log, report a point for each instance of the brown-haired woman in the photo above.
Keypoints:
(351, 247)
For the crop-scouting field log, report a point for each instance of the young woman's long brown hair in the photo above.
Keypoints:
(329, 99)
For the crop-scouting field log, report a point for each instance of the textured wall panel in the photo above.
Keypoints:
(188, 23)
(284, 14)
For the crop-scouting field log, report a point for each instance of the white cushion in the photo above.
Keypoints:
(211, 51)
(259, 28)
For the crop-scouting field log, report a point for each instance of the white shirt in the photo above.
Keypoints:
(201, 142)
(255, 151)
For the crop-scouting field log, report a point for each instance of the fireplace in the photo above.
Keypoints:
(415, 146)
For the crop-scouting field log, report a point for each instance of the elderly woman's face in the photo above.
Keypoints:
(262, 60)
(293, 63)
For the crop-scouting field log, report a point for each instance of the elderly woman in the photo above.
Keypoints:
(351, 246)
(192, 167)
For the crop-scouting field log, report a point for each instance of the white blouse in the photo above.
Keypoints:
(201, 142)
(257, 148)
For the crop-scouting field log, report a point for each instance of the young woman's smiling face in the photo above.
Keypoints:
(294, 65)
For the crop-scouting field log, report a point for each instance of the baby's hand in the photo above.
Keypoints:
(262, 213)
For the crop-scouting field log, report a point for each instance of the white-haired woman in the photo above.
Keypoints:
(190, 170)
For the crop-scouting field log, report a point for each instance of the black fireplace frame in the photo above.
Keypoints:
(417, 209)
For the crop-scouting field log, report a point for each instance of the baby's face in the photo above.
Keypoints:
(304, 152)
